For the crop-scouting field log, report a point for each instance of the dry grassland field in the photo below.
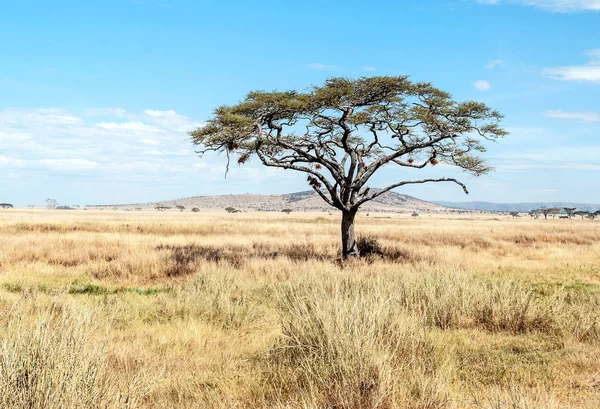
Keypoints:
(254, 310)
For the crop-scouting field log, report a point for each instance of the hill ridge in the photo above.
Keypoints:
(307, 200)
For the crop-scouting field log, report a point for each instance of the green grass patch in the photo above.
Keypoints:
(147, 291)
(90, 289)
(93, 289)
(12, 287)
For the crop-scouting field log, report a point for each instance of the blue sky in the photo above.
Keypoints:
(96, 97)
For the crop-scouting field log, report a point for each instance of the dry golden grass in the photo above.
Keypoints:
(176, 310)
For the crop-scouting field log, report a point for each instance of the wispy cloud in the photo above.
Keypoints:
(567, 158)
(324, 67)
(493, 64)
(70, 164)
(594, 54)
(581, 116)
(482, 85)
(589, 72)
(555, 6)
(369, 68)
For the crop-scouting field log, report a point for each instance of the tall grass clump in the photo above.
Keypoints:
(55, 361)
(456, 300)
(346, 347)
(221, 301)
(514, 397)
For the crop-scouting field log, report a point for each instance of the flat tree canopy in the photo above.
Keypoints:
(341, 133)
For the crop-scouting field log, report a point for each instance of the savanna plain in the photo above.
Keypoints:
(109, 309)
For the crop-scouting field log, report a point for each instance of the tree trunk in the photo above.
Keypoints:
(349, 248)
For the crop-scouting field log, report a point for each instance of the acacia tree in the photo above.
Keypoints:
(570, 211)
(552, 211)
(51, 203)
(341, 133)
(581, 213)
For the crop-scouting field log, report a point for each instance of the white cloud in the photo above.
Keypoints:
(493, 64)
(92, 112)
(149, 141)
(66, 154)
(482, 85)
(40, 116)
(589, 72)
(160, 114)
(582, 116)
(325, 67)
(15, 136)
(70, 164)
(556, 6)
(130, 126)
(369, 68)
(170, 120)
(59, 141)
(7, 162)
(156, 152)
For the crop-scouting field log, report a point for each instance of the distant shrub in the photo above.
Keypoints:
(184, 259)
(195, 210)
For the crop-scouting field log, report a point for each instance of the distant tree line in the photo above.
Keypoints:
(565, 213)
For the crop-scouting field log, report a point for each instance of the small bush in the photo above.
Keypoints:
(369, 246)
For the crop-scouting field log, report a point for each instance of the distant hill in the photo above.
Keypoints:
(299, 201)
(516, 207)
